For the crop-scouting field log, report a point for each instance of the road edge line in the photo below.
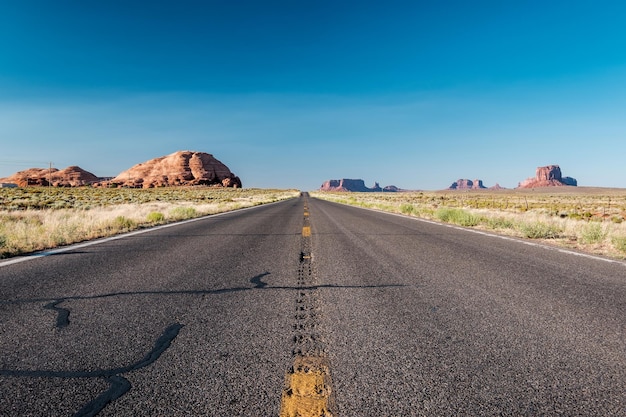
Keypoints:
(48, 252)
(494, 235)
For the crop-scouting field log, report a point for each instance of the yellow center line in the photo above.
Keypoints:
(308, 392)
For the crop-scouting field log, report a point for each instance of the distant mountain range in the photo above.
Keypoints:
(355, 186)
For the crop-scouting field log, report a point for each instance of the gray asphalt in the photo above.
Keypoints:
(414, 318)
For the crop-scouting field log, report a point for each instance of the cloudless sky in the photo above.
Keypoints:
(291, 93)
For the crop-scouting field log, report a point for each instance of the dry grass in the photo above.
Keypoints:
(588, 219)
(88, 213)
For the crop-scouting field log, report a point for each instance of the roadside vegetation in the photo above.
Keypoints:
(592, 220)
(37, 218)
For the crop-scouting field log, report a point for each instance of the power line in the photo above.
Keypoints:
(9, 162)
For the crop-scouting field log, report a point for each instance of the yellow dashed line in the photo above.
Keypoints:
(308, 392)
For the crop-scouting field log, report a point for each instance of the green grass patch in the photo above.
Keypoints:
(620, 243)
(499, 223)
(124, 223)
(457, 216)
(155, 217)
(183, 213)
(592, 233)
(540, 230)
(407, 209)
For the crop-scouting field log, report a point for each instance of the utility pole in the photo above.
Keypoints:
(50, 175)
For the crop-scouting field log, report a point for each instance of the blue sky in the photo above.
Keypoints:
(291, 93)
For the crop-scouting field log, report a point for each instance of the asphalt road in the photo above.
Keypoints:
(409, 317)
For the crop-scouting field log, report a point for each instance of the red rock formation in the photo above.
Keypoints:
(179, 168)
(465, 184)
(391, 189)
(71, 176)
(548, 176)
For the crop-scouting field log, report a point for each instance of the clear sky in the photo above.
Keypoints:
(291, 93)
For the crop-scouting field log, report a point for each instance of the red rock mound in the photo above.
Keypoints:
(72, 176)
(179, 168)
(548, 176)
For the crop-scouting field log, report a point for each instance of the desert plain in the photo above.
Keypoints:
(588, 219)
(38, 218)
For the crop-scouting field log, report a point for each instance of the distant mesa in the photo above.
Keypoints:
(351, 185)
(72, 176)
(179, 168)
(348, 185)
(391, 189)
(548, 176)
(465, 184)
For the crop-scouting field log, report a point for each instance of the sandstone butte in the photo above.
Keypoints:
(548, 176)
(465, 184)
(71, 176)
(179, 168)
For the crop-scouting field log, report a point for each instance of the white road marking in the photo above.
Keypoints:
(75, 246)
(512, 239)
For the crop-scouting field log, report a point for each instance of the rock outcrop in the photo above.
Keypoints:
(465, 184)
(391, 189)
(548, 176)
(350, 185)
(179, 168)
(72, 176)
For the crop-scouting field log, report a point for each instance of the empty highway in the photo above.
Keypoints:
(307, 307)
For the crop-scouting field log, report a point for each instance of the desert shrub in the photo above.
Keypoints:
(155, 217)
(575, 216)
(124, 223)
(619, 242)
(592, 233)
(499, 223)
(457, 216)
(3, 241)
(617, 219)
(540, 230)
(407, 209)
(444, 214)
(182, 213)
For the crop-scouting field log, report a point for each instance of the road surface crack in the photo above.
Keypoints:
(118, 384)
(308, 391)
(63, 314)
